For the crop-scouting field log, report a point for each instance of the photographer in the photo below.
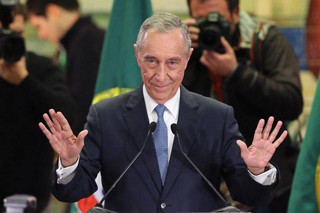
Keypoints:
(255, 78)
(28, 88)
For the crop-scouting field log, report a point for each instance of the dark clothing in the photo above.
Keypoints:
(208, 133)
(26, 157)
(83, 44)
(254, 93)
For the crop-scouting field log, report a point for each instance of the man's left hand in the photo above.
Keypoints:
(263, 146)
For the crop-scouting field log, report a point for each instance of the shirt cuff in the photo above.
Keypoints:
(66, 174)
(267, 178)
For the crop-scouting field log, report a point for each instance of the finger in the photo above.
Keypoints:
(227, 47)
(53, 116)
(281, 138)
(258, 132)
(275, 131)
(49, 123)
(268, 128)
(204, 59)
(194, 45)
(194, 37)
(243, 148)
(189, 22)
(56, 123)
(194, 30)
(63, 122)
(45, 131)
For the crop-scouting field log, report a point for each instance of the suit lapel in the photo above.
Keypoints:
(137, 121)
(188, 125)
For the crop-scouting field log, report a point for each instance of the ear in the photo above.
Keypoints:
(188, 57)
(53, 11)
(190, 53)
(136, 51)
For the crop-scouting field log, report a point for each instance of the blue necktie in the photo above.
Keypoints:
(160, 138)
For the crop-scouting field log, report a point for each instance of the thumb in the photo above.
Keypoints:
(81, 136)
(226, 45)
(243, 148)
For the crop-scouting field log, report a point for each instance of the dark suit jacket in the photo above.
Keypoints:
(208, 131)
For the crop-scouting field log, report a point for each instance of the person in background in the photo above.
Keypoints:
(161, 179)
(60, 22)
(27, 89)
(268, 85)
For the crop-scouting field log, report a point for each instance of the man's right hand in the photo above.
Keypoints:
(194, 31)
(61, 137)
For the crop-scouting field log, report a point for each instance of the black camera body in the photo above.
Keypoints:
(211, 29)
(12, 45)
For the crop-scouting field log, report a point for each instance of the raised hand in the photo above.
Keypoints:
(263, 146)
(61, 137)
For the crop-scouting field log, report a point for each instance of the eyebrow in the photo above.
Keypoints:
(175, 58)
(148, 57)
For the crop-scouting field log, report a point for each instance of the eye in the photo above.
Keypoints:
(173, 63)
(151, 62)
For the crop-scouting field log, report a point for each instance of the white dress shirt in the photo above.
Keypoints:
(170, 116)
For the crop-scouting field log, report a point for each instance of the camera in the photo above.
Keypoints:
(211, 29)
(12, 45)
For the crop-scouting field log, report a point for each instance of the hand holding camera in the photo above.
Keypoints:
(12, 45)
(220, 64)
(13, 73)
(212, 34)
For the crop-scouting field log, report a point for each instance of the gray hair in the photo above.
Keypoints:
(163, 22)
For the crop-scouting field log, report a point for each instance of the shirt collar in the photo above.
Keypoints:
(172, 105)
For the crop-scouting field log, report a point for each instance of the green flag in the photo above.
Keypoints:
(118, 71)
(305, 191)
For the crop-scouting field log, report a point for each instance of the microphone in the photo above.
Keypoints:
(99, 206)
(228, 207)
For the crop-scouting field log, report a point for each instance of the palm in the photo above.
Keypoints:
(263, 146)
(64, 144)
(61, 137)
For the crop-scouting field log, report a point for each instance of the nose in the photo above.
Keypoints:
(161, 73)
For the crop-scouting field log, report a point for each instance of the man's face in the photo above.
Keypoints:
(202, 8)
(162, 60)
(46, 26)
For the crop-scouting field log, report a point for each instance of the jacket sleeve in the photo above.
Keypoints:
(276, 90)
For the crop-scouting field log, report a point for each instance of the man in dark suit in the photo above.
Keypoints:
(162, 179)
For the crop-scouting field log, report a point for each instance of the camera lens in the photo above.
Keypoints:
(210, 37)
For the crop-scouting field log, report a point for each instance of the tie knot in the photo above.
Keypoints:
(160, 110)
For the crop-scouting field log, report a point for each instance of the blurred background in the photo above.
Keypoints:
(289, 15)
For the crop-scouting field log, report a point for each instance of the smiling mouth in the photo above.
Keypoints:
(160, 87)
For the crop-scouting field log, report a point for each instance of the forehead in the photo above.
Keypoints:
(201, 8)
(170, 43)
(36, 19)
